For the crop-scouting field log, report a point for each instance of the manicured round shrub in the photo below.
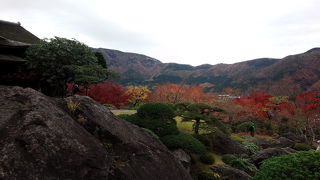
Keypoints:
(155, 110)
(302, 147)
(207, 158)
(185, 142)
(161, 127)
(298, 166)
(228, 158)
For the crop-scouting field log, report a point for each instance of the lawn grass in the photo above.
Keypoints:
(123, 111)
(185, 127)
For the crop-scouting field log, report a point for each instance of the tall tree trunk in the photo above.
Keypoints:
(196, 126)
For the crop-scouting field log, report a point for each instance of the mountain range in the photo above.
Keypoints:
(288, 76)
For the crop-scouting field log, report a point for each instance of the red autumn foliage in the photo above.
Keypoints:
(254, 105)
(107, 93)
(309, 103)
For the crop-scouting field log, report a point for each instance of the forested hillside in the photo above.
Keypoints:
(290, 75)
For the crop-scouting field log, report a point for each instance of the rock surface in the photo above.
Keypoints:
(282, 142)
(223, 144)
(268, 153)
(183, 157)
(40, 138)
(229, 173)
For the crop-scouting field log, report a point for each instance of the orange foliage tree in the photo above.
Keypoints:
(173, 93)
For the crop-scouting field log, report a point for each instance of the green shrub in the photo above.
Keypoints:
(161, 127)
(302, 147)
(207, 158)
(185, 142)
(228, 158)
(244, 165)
(243, 127)
(155, 110)
(298, 166)
(207, 175)
(251, 147)
(239, 163)
(203, 139)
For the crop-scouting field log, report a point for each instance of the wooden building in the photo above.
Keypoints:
(14, 41)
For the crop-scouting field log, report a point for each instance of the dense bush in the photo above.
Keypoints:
(161, 127)
(203, 139)
(207, 158)
(298, 166)
(157, 117)
(239, 163)
(302, 147)
(251, 147)
(244, 165)
(185, 142)
(242, 127)
(155, 110)
(228, 158)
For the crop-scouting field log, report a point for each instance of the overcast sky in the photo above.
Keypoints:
(183, 31)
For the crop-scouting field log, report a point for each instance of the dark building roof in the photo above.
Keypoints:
(15, 32)
(7, 43)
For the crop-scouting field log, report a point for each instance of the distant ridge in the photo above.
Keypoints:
(287, 76)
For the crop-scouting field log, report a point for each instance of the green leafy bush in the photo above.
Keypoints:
(244, 165)
(242, 127)
(185, 142)
(228, 158)
(161, 127)
(251, 147)
(207, 158)
(299, 166)
(239, 163)
(203, 139)
(302, 147)
(155, 110)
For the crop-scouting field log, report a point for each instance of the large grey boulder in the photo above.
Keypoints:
(264, 154)
(229, 173)
(40, 138)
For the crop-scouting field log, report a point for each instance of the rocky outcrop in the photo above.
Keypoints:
(295, 138)
(223, 144)
(41, 138)
(282, 142)
(183, 157)
(229, 173)
(268, 153)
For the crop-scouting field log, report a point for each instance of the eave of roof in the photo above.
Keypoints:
(10, 58)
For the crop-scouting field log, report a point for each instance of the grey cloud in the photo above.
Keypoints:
(76, 17)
